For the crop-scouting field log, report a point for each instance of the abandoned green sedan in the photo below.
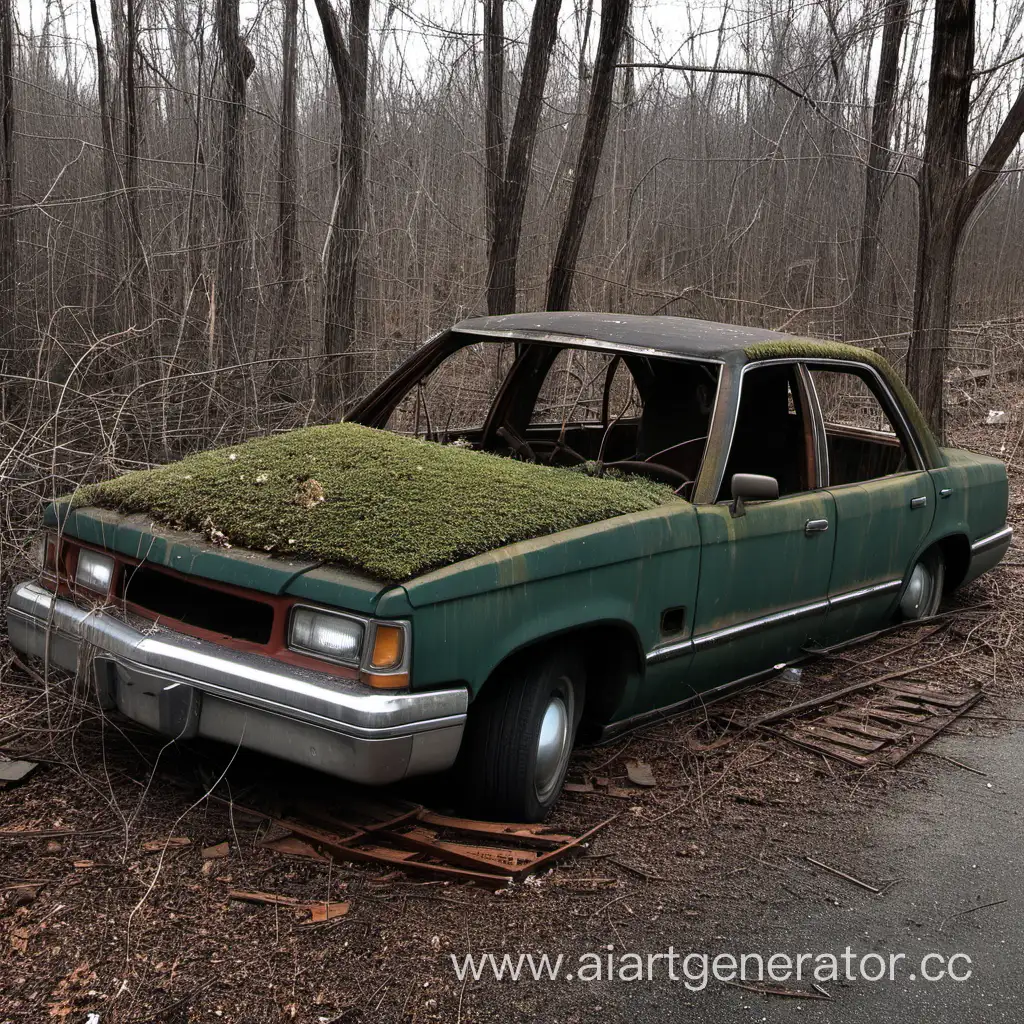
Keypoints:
(541, 527)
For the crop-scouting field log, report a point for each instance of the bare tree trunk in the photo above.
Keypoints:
(948, 197)
(109, 247)
(131, 134)
(494, 103)
(238, 65)
(287, 211)
(879, 161)
(8, 254)
(614, 24)
(342, 257)
(508, 219)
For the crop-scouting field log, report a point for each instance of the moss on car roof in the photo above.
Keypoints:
(810, 348)
(388, 505)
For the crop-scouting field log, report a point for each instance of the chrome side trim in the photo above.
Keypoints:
(665, 652)
(863, 593)
(1003, 536)
(720, 636)
(677, 648)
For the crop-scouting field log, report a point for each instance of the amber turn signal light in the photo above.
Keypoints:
(388, 643)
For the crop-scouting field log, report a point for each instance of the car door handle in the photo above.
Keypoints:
(918, 502)
(945, 492)
(815, 526)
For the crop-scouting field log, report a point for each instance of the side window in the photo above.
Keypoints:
(773, 436)
(454, 398)
(863, 443)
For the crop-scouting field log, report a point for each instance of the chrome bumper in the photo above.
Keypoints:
(184, 687)
(987, 552)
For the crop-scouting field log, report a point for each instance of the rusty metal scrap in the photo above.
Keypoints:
(417, 840)
(889, 722)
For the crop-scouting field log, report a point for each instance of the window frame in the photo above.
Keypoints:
(713, 485)
(883, 394)
(725, 418)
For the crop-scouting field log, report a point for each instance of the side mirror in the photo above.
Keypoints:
(751, 487)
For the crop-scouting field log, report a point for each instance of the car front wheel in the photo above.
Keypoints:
(519, 737)
(922, 594)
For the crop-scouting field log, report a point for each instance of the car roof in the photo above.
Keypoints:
(661, 335)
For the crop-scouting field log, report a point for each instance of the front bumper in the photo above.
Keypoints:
(184, 687)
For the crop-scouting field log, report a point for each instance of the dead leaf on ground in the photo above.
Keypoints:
(83, 865)
(170, 843)
(217, 851)
(640, 774)
(578, 787)
(20, 939)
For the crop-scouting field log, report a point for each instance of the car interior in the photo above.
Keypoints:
(565, 406)
(637, 414)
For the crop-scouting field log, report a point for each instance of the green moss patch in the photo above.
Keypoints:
(387, 505)
(809, 348)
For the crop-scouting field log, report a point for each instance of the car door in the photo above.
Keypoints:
(764, 574)
(884, 497)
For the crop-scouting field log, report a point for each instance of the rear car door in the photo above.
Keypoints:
(884, 497)
(764, 575)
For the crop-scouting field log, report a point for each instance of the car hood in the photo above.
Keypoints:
(139, 537)
(384, 506)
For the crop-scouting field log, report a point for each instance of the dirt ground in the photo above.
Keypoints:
(135, 936)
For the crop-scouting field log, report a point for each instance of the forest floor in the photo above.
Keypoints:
(713, 853)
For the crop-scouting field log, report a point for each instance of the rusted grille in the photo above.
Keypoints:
(166, 595)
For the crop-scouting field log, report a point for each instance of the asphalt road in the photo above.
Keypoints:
(949, 849)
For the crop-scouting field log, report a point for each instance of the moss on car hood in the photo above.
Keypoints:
(390, 506)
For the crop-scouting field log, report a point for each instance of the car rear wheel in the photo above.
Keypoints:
(519, 737)
(922, 594)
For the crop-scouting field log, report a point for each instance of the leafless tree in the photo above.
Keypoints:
(877, 177)
(109, 155)
(950, 192)
(510, 201)
(287, 162)
(238, 65)
(614, 25)
(349, 63)
(8, 257)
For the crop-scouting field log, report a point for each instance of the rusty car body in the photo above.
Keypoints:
(813, 506)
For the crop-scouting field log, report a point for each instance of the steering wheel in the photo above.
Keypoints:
(654, 471)
(553, 448)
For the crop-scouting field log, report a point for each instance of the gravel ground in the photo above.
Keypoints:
(713, 851)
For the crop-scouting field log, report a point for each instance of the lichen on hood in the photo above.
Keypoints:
(389, 506)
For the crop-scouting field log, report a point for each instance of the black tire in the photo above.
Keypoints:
(501, 770)
(922, 593)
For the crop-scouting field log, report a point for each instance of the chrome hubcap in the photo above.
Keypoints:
(918, 593)
(552, 746)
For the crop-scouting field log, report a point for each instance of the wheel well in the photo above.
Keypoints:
(956, 553)
(611, 658)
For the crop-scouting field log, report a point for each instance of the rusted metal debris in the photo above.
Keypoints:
(416, 840)
(886, 724)
(318, 910)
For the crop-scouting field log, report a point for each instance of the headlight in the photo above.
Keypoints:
(335, 637)
(95, 571)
